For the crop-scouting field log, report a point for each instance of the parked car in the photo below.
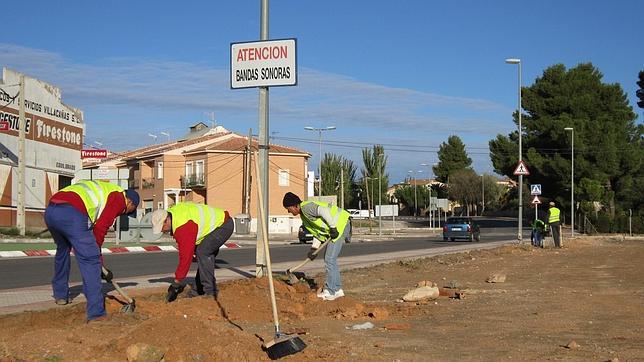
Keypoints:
(461, 228)
(304, 235)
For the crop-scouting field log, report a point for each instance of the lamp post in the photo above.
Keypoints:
(153, 136)
(320, 130)
(519, 232)
(429, 172)
(372, 200)
(482, 194)
(167, 134)
(572, 180)
(415, 195)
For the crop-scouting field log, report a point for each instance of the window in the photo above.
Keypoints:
(283, 177)
(188, 169)
(147, 205)
(199, 170)
(160, 205)
(160, 170)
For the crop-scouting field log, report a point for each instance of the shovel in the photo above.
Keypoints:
(282, 345)
(131, 303)
(292, 278)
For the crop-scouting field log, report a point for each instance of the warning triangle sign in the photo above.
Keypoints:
(521, 169)
(536, 200)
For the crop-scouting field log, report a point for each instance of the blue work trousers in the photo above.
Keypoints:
(333, 282)
(72, 229)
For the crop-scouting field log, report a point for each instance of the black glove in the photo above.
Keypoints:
(173, 291)
(333, 233)
(106, 274)
(311, 254)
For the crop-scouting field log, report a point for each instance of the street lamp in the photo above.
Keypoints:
(415, 194)
(519, 235)
(372, 200)
(429, 172)
(167, 134)
(153, 136)
(319, 130)
(572, 180)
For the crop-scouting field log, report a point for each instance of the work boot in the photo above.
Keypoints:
(103, 318)
(334, 296)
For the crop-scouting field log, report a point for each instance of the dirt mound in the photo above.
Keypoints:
(230, 328)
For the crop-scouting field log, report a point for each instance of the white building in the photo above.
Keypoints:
(54, 134)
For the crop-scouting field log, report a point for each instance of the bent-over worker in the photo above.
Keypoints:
(325, 222)
(78, 217)
(198, 230)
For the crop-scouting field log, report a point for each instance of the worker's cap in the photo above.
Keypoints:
(158, 218)
(291, 199)
(552, 203)
(134, 196)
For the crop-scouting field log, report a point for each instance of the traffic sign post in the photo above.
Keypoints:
(536, 203)
(535, 190)
(521, 169)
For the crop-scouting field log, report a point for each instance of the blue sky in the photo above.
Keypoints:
(405, 74)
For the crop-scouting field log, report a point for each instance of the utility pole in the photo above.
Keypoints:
(260, 256)
(20, 219)
(341, 188)
(247, 173)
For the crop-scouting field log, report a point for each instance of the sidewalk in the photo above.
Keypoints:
(39, 298)
(12, 247)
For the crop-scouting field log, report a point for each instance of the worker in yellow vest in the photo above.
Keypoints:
(325, 222)
(554, 221)
(78, 217)
(198, 230)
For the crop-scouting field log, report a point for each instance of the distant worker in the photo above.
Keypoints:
(538, 231)
(78, 217)
(198, 230)
(325, 222)
(554, 222)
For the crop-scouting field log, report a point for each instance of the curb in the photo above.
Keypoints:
(117, 250)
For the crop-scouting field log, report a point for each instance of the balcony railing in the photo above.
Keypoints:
(193, 181)
(147, 183)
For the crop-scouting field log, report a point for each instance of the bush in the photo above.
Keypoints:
(10, 231)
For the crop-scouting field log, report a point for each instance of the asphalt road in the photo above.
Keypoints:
(36, 271)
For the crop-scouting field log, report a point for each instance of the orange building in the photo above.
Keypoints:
(212, 166)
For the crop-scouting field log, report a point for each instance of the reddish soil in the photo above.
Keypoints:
(589, 292)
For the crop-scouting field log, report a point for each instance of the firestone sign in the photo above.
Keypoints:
(263, 64)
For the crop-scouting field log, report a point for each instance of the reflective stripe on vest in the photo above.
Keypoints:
(554, 215)
(207, 218)
(94, 195)
(318, 227)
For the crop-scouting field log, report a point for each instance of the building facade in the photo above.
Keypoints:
(215, 167)
(54, 134)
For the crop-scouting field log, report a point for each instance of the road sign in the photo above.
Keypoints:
(521, 169)
(536, 200)
(535, 189)
(263, 63)
(4, 126)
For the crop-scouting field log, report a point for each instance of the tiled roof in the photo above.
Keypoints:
(222, 141)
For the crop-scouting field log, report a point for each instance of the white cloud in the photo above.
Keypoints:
(147, 88)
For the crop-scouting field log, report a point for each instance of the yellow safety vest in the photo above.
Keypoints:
(207, 218)
(318, 227)
(554, 215)
(94, 195)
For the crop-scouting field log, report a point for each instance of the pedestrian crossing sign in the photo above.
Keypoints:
(521, 169)
(535, 189)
